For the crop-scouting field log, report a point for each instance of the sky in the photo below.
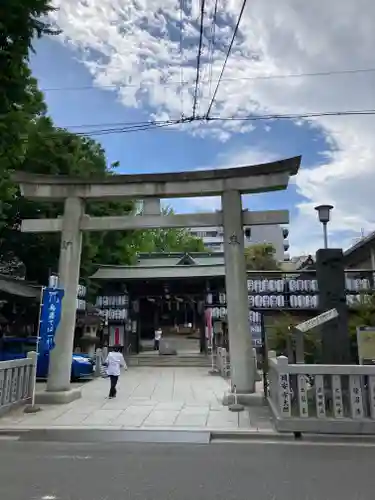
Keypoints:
(122, 61)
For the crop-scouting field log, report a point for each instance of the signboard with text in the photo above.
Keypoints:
(366, 344)
(50, 315)
(318, 320)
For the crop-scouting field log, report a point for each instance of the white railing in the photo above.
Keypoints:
(338, 399)
(223, 362)
(17, 379)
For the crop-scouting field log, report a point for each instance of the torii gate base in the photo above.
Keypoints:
(227, 183)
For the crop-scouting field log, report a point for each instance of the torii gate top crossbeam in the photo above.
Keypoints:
(249, 179)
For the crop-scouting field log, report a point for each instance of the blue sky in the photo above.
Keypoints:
(57, 68)
(85, 55)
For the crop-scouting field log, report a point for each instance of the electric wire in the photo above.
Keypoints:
(182, 10)
(233, 79)
(128, 127)
(226, 59)
(199, 56)
(212, 47)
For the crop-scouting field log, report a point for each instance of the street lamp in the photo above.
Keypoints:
(324, 212)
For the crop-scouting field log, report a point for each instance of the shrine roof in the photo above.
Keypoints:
(166, 265)
(18, 287)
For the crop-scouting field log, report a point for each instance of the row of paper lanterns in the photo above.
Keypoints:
(53, 282)
(290, 285)
(81, 305)
(280, 302)
(114, 314)
(112, 301)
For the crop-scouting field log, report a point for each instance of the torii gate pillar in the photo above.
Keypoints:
(242, 362)
(60, 365)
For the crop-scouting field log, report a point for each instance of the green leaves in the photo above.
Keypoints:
(51, 150)
(261, 257)
(20, 100)
(30, 142)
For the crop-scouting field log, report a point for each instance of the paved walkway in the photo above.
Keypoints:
(157, 397)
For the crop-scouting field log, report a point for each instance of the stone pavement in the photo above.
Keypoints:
(148, 398)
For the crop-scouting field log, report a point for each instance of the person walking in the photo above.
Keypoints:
(158, 334)
(115, 361)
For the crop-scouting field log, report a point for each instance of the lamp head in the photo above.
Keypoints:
(324, 212)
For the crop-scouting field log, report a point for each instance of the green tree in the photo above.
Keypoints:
(261, 257)
(361, 314)
(56, 151)
(20, 23)
(282, 340)
(51, 150)
(170, 240)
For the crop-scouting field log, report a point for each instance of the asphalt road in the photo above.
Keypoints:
(140, 471)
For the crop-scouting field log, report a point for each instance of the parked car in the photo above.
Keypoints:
(18, 347)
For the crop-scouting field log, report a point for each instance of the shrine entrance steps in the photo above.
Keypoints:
(179, 360)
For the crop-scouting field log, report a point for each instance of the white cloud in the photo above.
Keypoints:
(137, 43)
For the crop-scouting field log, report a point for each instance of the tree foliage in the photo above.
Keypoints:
(281, 338)
(20, 22)
(55, 151)
(50, 150)
(175, 240)
(30, 142)
(363, 314)
(261, 257)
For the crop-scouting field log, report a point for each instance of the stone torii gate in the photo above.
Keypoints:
(228, 183)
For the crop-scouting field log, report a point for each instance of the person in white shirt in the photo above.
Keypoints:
(158, 334)
(115, 361)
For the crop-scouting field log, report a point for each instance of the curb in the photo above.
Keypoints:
(247, 435)
(324, 439)
(214, 435)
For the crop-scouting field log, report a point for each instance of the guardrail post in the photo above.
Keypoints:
(283, 387)
(32, 408)
(32, 356)
(98, 362)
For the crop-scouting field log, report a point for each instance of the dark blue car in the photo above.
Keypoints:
(18, 347)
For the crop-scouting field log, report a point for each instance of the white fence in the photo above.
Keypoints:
(335, 399)
(223, 362)
(17, 378)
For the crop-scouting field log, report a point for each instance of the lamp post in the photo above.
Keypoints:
(324, 212)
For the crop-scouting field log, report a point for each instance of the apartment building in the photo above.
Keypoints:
(213, 238)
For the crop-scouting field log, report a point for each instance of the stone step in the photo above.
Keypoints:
(174, 361)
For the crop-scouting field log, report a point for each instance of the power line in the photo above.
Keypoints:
(363, 112)
(226, 58)
(202, 119)
(122, 128)
(115, 124)
(182, 56)
(129, 130)
(199, 58)
(239, 78)
(210, 53)
(211, 48)
(127, 127)
(132, 128)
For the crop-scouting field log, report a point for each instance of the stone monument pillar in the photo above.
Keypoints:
(331, 280)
